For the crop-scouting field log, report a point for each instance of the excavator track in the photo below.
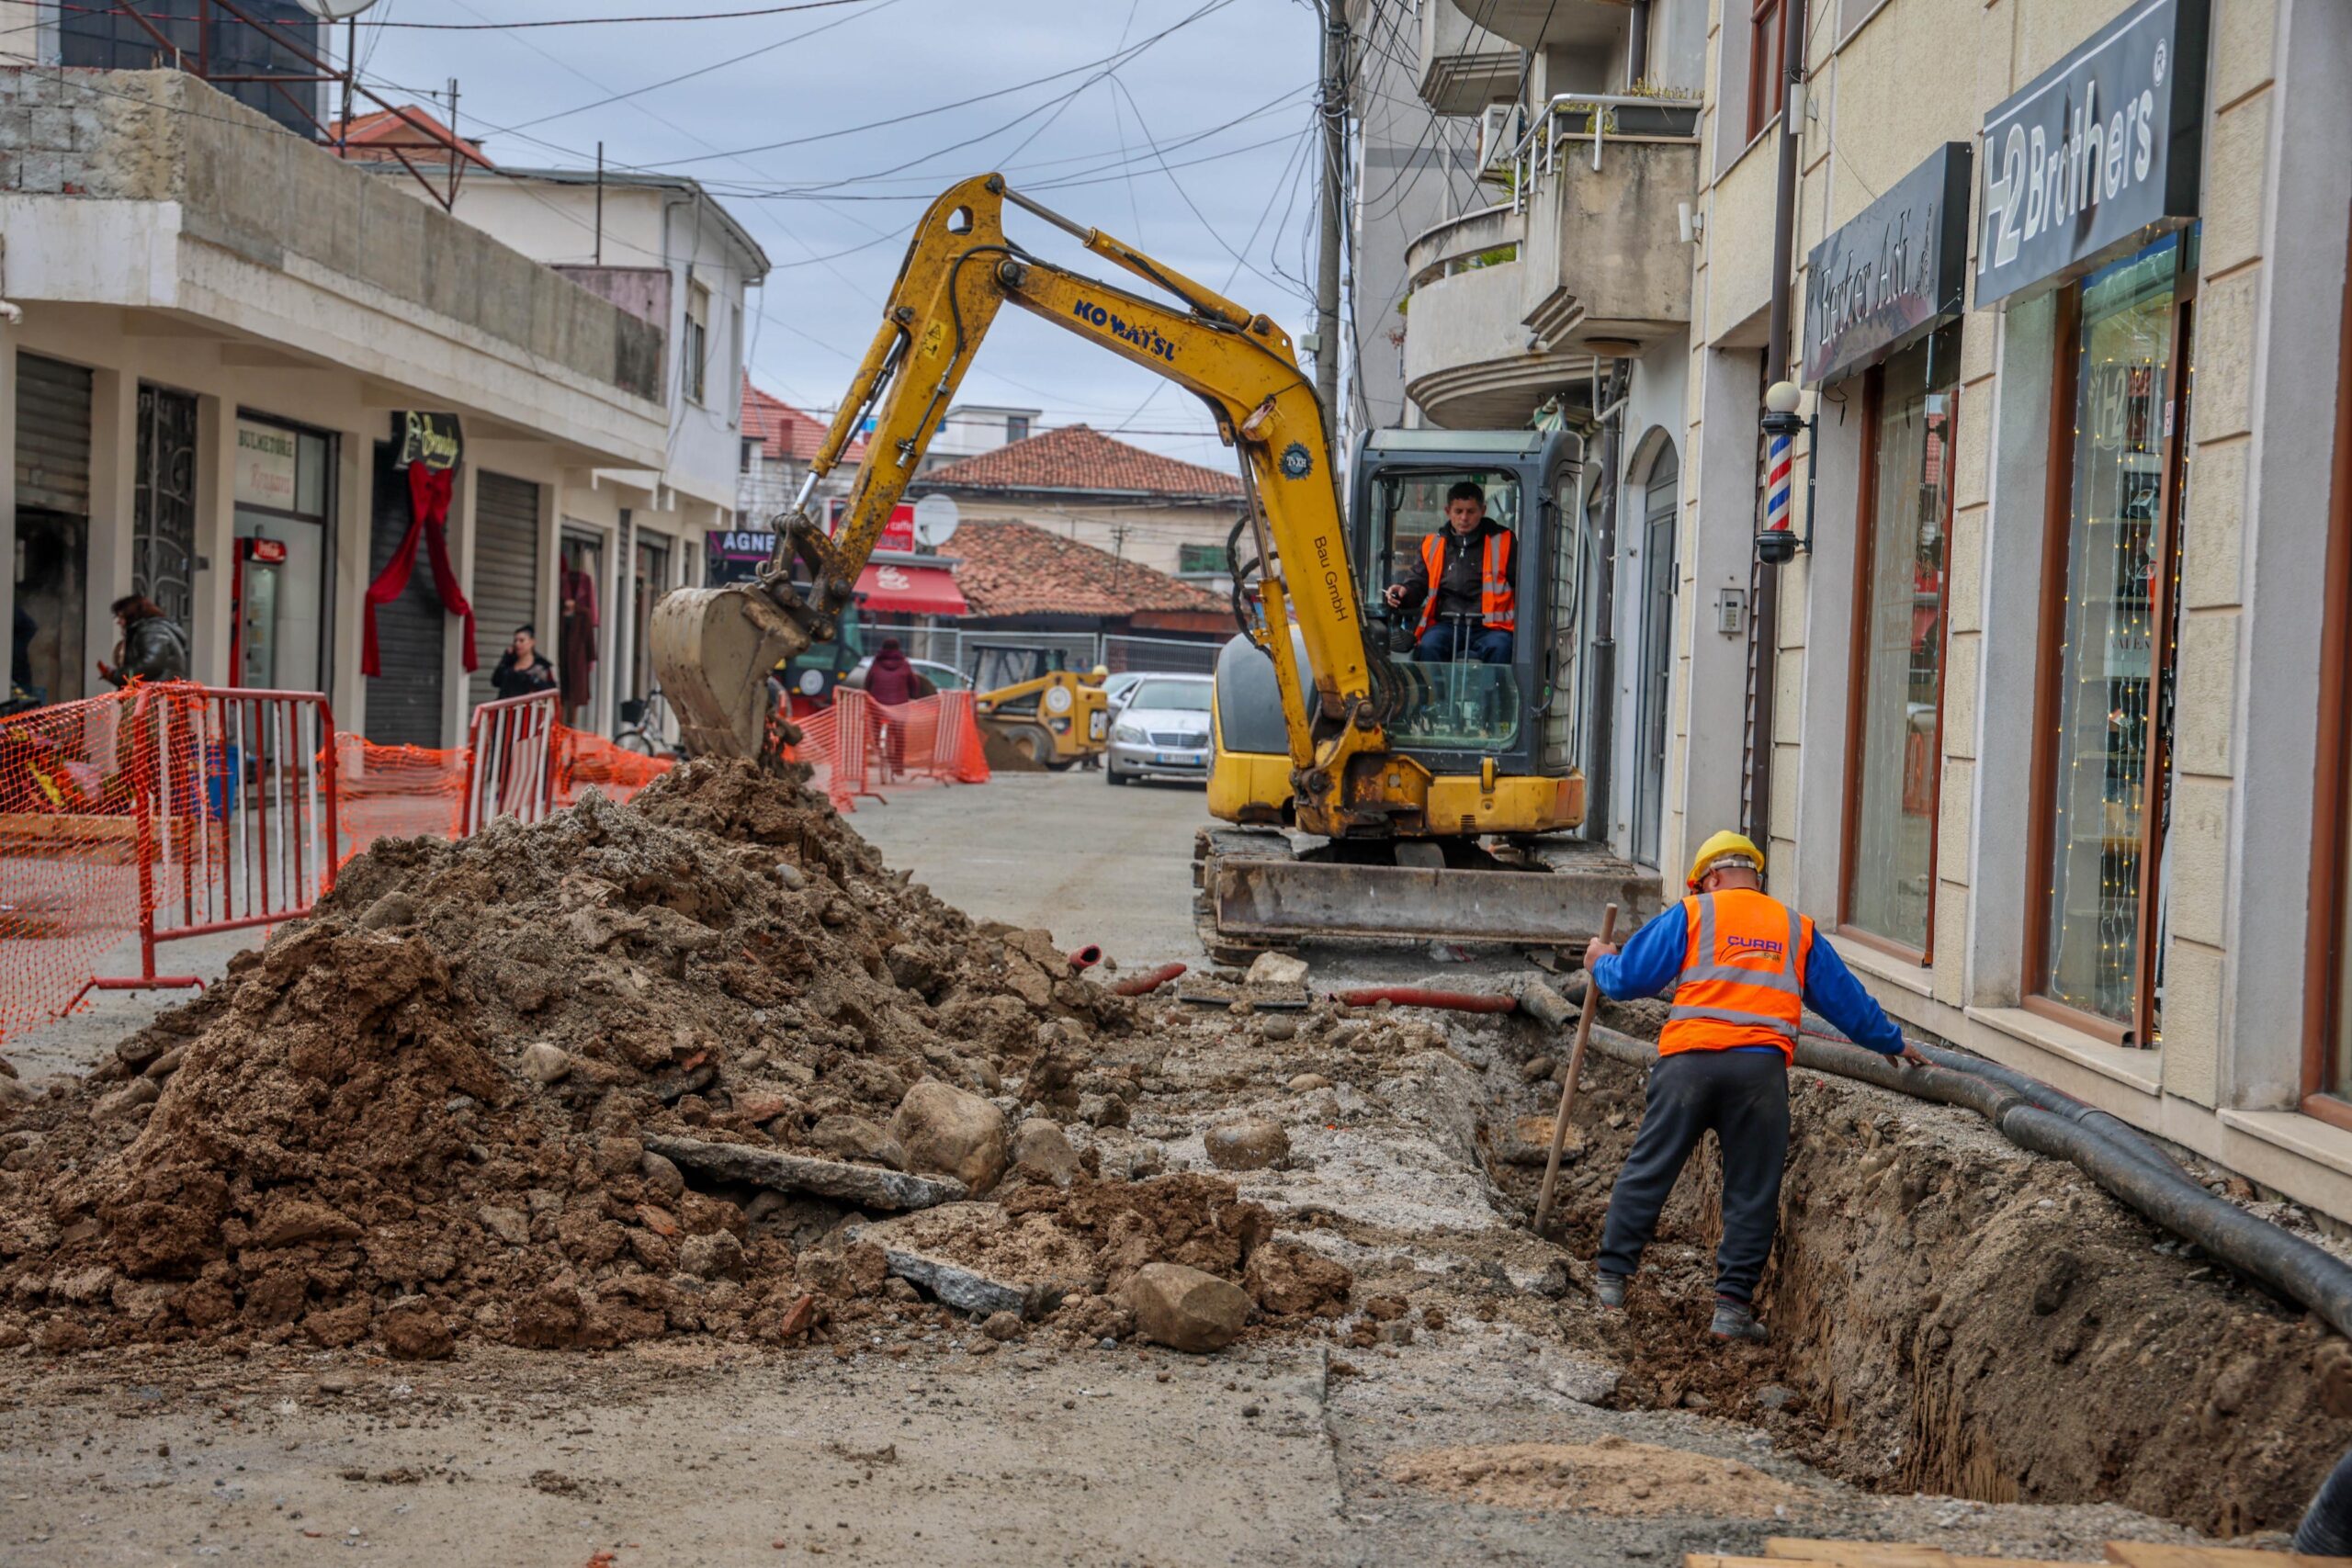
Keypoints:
(1253, 893)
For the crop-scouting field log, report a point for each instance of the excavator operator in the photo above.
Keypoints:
(1473, 614)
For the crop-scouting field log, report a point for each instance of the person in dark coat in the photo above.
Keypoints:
(152, 647)
(890, 679)
(523, 669)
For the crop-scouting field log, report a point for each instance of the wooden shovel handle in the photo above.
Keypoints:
(1576, 1070)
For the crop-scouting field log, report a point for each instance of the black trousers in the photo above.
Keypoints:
(1743, 1098)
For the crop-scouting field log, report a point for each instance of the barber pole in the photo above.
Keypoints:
(1780, 462)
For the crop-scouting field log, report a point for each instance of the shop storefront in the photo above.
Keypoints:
(281, 615)
(1884, 293)
(2090, 189)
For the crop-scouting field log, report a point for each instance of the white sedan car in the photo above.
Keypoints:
(1163, 731)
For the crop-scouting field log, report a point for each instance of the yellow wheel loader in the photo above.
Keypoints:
(1371, 793)
(1034, 715)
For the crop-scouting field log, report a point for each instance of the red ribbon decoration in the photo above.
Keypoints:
(428, 495)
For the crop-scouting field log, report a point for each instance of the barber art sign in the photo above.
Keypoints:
(2098, 155)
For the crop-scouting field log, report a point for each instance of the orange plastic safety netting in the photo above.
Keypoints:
(585, 762)
(859, 747)
(69, 852)
(396, 792)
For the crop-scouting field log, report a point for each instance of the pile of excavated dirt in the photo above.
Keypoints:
(420, 1115)
(1952, 1314)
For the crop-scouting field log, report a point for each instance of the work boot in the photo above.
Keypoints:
(1610, 1290)
(1737, 1320)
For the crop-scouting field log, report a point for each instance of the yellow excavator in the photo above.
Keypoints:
(1370, 793)
(1038, 713)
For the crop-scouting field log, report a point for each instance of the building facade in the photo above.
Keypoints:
(660, 248)
(225, 342)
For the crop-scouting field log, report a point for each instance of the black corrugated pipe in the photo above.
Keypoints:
(2166, 1197)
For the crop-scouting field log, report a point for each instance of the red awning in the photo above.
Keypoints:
(911, 590)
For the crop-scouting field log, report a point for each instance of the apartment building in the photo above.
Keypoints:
(227, 350)
(1551, 170)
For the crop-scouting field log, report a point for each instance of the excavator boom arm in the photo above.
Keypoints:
(959, 271)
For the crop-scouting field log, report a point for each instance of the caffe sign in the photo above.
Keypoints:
(1898, 268)
(2098, 155)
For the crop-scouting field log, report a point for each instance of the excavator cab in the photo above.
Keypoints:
(1466, 697)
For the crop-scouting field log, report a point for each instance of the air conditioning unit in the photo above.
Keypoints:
(1497, 135)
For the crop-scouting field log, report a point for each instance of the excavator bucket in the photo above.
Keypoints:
(713, 648)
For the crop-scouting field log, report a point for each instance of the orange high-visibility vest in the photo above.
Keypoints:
(1743, 975)
(1498, 605)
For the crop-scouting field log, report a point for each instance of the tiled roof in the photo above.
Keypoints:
(1019, 568)
(785, 432)
(409, 130)
(1074, 457)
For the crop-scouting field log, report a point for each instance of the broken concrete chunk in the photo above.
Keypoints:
(1185, 1309)
(867, 1186)
(970, 1257)
(946, 1129)
(1279, 1027)
(509, 1226)
(1253, 1143)
(543, 1062)
(1276, 969)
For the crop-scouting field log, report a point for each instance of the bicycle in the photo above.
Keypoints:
(642, 721)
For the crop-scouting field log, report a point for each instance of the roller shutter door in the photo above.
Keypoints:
(506, 570)
(52, 436)
(404, 702)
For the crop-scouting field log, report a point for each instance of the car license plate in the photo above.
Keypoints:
(1172, 759)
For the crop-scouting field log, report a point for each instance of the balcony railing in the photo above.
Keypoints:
(1597, 118)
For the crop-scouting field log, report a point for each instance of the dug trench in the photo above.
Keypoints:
(1951, 1314)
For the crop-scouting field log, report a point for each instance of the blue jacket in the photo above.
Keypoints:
(1651, 964)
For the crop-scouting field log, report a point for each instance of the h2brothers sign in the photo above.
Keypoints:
(1892, 273)
(2098, 154)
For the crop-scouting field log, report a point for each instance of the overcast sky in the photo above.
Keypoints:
(1233, 85)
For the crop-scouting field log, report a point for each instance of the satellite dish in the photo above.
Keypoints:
(335, 10)
(935, 520)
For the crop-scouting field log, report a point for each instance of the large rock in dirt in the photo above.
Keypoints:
(1040, 1150)
(1276, 969)
(1253, 1143)
(543, 1062)
(1528, 1141)
(867, 1186)
(412, 1331)
(1288, 1280)
(853, 1137)
(1185, 1309)
(946, 1129)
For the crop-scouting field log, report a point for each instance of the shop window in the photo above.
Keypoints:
(2105, 742)
(1768, 75)
(1895, 729)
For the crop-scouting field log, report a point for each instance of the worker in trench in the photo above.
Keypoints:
(1743, 967)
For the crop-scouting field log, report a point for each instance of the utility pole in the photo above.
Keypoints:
(1331, 101)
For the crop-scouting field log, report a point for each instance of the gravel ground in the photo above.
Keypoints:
(939, 1444)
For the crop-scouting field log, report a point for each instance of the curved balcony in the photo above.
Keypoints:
(1471, 361)
(1553, 24)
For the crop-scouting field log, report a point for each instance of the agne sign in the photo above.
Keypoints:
(2097, 153)
(1896, 269)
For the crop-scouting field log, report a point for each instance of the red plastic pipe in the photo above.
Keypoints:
(1082, 958)
(1147, 982)
(1419, 997)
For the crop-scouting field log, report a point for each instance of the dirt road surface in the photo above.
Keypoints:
(1483, 1416)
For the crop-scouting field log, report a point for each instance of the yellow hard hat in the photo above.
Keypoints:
(1721, 847)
